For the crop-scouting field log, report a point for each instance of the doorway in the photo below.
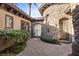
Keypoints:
(64, 28)
(37, 30)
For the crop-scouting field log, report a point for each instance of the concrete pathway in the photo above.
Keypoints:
(35, 47)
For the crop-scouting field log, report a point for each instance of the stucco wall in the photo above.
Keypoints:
(16, 20)
(57, 12)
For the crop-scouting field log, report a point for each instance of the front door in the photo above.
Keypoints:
(37, 30)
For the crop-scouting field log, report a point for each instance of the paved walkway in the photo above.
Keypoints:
(35, 47)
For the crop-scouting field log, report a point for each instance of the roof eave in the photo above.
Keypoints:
(18, 9)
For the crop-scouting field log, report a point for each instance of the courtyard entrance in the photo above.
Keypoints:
(37, 30)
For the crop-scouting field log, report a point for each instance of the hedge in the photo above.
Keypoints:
(17, 36)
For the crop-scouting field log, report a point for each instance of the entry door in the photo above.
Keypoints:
(37, 30)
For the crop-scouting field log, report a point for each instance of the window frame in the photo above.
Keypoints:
(6, 21)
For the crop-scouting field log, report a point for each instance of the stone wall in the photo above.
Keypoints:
(56, 12)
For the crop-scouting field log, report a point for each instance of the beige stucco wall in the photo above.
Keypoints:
(57, 12)
(16, 20)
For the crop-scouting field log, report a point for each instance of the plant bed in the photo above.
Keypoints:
(13, 40)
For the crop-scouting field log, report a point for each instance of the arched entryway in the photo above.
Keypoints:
(64, 28)
(37, 30)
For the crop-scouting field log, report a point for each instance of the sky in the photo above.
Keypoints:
(34, 11)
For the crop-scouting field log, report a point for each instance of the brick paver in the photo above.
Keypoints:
(35, 47)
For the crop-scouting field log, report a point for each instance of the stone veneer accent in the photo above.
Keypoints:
(75, 43)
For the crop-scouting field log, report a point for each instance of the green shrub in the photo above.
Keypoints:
(53, 41)
(13, 50)
(19, 47)
(17, 36)
(49, 39)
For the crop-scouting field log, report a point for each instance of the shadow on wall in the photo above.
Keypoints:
(51, 33)
(75, 17)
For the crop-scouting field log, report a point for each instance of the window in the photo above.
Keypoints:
(47, 21)
(8, 21)
(24, 25)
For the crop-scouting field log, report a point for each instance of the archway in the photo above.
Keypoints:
(64, 28)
